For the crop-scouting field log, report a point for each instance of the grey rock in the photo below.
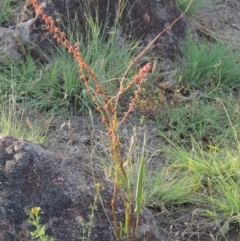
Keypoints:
(142, 19)
(8, 46)
(31, 176)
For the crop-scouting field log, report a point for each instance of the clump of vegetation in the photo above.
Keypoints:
(39, 232)
(8, 10)
(206, 180)
(203, 120)
(18, 121)
(195, 6)
(201, 146)
(209, 65)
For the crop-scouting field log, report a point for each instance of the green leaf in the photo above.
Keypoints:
(139, 192)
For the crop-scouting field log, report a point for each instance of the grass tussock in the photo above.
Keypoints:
(8, 10)
(17, 122)
(209, 65)
(204, 120)
(207, 178)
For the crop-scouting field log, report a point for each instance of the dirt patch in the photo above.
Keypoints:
(85, 138)
(220, 21)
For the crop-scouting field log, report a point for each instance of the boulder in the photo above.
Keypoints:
(142, 19)
(8, 46)
(63, 188)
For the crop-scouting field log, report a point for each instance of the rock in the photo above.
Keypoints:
(8, 46)
(31, 176)
(140, 19)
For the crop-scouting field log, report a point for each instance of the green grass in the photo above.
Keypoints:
(8, 8)
(209, 65)
(204, 120)
(109, 59)
(56, 87)
(201, 146)
(202, 151)
(17, 122)
(44, 88)
(209, 180)
(194, 8)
